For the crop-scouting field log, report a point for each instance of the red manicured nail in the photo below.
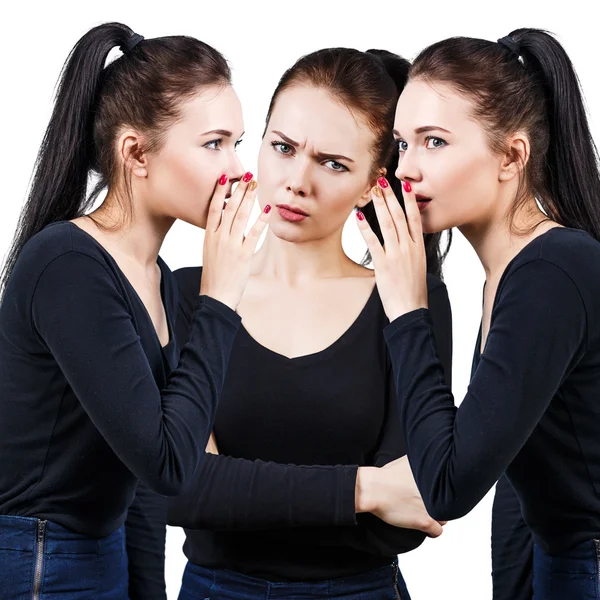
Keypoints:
(360, 215)
(223, 179)
(247, 177)
(382, 181)
(267, 209)
(407, 187)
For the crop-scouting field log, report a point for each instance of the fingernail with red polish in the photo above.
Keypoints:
(360, 215)
(407, 187)
(223, 179)
(267, 209)
(247, 177)
(382, 181)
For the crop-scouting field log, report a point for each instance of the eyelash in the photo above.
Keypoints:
(427, 140)
(218, 142)
(278, 144)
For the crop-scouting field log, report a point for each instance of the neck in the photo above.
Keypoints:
(498, 240)
(137, 235)
(297, 262)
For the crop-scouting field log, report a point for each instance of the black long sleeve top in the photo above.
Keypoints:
(90, 402)
(531, 409)
(278, 501)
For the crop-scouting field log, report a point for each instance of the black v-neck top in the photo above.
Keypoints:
(278, 501)
(89, 400)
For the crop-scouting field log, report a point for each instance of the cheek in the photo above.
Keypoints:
(268, 175)
(340, 193)
(184, 182)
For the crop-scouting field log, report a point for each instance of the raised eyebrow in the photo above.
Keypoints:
(428, 128)
(223, 132)
(424, 129)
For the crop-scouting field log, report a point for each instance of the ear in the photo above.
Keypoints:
(366, 196)
(130, 151)
(516, 157)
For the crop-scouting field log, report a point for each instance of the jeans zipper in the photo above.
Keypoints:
(395, 568)
(39, 560)
(597, 544)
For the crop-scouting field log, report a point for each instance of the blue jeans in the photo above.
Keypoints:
(573, 574)
(40, 560)
(199, 583)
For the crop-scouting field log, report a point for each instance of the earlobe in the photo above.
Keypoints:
(364, 200)
(366, 196)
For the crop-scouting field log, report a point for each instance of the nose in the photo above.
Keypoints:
(299, 178)
(235, 169)
(408, 165)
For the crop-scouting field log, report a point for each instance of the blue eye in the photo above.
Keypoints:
(213, 144)
(336, 166)
(238, 143)
(283, 148)
(402, 146)
(435, 142)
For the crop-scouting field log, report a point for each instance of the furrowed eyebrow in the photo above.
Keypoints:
(319, 155)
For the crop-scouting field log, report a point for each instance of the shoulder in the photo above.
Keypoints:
(64, 249)
(560, 257)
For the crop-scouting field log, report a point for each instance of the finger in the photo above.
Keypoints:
(394, 207)
(235, 201)
(211, 447)
(254, 234)
(215, 208)
(433, 529)
(373, 244)
(240, 221)
(413, 214)
(386, 223)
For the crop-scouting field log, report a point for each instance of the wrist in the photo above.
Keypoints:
(365, 498)
(222, 298)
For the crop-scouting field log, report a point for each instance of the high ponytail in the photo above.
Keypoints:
(570, 175)
(142, 89)
(59, 185)
(526, 82)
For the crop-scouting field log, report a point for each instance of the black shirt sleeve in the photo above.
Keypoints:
(512, 547)
(237, 494)
(537, 335)
(234, 493)
(160, 435)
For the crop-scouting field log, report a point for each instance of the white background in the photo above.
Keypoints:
(261, 40)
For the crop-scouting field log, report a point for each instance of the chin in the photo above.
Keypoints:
(433, 225)
(195, 220)
(288, 232)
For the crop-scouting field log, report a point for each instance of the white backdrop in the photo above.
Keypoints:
(261, 40)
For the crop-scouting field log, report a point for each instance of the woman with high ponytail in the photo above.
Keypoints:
(493, 139)
(291, 496)
(92, 397)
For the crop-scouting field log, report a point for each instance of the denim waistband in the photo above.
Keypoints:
(22, 533)
(355, 584)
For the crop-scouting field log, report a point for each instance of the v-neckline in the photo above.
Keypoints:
(500, 282)
(137, 296)
(319, 354)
